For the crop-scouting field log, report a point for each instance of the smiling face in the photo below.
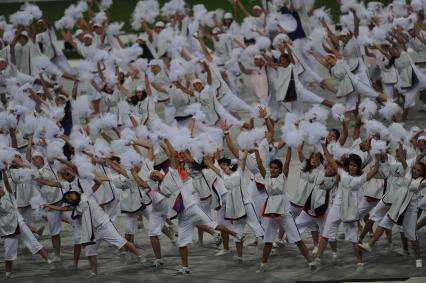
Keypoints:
(417, 170)
(198, 86)
(275, 168)
(353, 168)
(38, 161)
(315, 160)
(329, 170)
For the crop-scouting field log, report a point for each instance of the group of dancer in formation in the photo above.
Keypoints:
(238, 97)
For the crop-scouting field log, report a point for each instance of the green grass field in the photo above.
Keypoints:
(121, 10)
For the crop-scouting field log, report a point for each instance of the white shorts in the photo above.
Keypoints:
(158, 217)
(332, 223)
(54, 222)
(188, 219)
(379, 211)
(25, 235)
(365, 206)
(206, 205)
(251, 220)
(105, 232)
(287, 223)
(409, 223)
(132, 219)
(308, 223)
(351, 100)
(295, 210)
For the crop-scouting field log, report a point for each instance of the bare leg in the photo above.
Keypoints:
(77, 252)
(239, 248)
(321, 247)
(44, 254)
(131, 248)
(315, 237)
(266, 251)
(224, 229)
(367, 227)
(225, 240)
(304, 251)
(183, 251)
(404, 241)
(416, 248)
(376, 236)
(96, 105)
(200, 235)
(327, 103)
(166, 231)
(333, 246)
(155, 243)
(358, 254)
(281, 233)
(93, 264)
(421, 223)
(8, 264)
(56, 243)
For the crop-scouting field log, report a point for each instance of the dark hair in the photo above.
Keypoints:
(135, 99)
(277, 162)
(423, 165)
(285, 56)
(336, 132)
(355, 159)
(72, 192)
(68, 150)
(228, 162)
(308, 167)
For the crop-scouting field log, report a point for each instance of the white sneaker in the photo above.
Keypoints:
(262, 268)
(183, 270)
(334, 256)
(278, 243)
(92, 274)
(312, 265)
(56, 259)
(317, 262)
(222, 252)
(315, 251)
(359, 267)
(141, 259)
(274, 252)
(365, 247)
(218, 239)
(158, 262)
(419, 263)
(238, 259)
(8, 274)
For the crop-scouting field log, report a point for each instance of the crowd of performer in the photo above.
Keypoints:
(194, 122)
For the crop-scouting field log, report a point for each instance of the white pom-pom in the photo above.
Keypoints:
(173, 7)
(85, 168)
(315, 132)
(397, 133)
(367, 109)
(195, 110)
(390, 110)
(337, 150)
(317, 114)
(338, 112)
(105, 4)
(33, 10)
(101, 148)
(130, 158)
(30, 124)
(141, 64)
(55, 149)
(378, 147)
(79, 141)
(292, 136)
(7, 121)
(249, 139)
(147, 11)
(81, 106)
(100, 18)
(66, 22)
(100, 55)
(263, 43)
(374, 128)
(114, 28)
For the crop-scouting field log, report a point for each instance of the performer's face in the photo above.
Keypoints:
(155, 69)
(417, 170)
(353, 168)
(22, 40)
(72, 198)
(198, 86)
(3, 64)
(156, 176)
(257, 12)
(38, 161)
(275, 170)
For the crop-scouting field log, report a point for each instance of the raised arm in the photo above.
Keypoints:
(329, 157)
(234, 150)
(286, 167)
(259, 162)
(345, 134)
(375, 168)
(300, 152)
